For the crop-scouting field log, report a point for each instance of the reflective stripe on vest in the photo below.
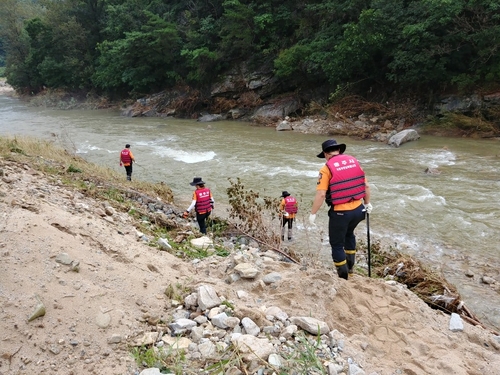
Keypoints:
(291, 205)
(125, 156)
(203, 200)
(347, 182)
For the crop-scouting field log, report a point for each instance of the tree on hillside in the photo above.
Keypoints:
(142, 60)
(15, 40)
(141, 46)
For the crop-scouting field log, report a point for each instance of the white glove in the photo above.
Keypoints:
(312, 217)
(368, 208)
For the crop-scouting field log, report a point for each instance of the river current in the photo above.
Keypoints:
(450, 220)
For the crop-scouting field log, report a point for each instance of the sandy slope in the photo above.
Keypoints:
(388, 329)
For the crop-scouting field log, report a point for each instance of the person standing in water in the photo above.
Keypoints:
(288, 209)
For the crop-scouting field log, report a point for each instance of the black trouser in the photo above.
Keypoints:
(286, 221)
(128, 169)
(202, 218)
(341, 227)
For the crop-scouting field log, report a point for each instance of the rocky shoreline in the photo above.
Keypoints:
(453, 116)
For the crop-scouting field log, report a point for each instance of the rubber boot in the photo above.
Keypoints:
(342, 271)
(351, 259)
(289, 234)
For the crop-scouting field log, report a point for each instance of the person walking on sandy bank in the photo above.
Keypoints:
(288, 209)
(202, 202)
(126, 160)
(343, 186)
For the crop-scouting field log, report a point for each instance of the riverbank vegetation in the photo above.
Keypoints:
(379, 49)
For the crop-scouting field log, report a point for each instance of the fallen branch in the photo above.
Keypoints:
(270, 247)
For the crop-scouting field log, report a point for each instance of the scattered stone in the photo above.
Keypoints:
(103, 320)
(272, 277)
(488, 280)
(251, 347)
(207, 349)
(354, 369)
(176, 343)
(164, 245)
(151, 371)
(181, 326)
(207, 297)
(456, 324)
(311, 325)
(110, 211)
(202, 242)
(149, 338)
(74, 266)
(242, 295)
(275, 360)
(115, 339)
(64, 258)
(39, 310)
(250, 327)
(246, 270)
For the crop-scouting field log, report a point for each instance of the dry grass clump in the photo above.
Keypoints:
(265, 121)
(353, 106)
(222, 105)
(249, 99)
(348, 108)
(188, 103)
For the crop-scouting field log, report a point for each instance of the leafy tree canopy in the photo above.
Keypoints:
(140, 46)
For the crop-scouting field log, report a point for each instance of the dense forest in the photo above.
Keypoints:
(128, 48)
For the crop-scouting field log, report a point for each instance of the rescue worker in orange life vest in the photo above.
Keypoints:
(202, 202)
(288, 208)
(126, 160)
(343, 186)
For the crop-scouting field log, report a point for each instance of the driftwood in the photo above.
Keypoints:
(424, 283)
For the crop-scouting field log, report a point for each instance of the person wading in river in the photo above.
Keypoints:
(288, 208)
(343, 186)
(126, 160)
(202, 202)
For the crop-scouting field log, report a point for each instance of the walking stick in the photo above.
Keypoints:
(368, 243)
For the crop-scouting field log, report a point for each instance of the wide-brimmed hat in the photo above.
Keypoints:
(285, 194)
(330, 145)
(197, 181)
